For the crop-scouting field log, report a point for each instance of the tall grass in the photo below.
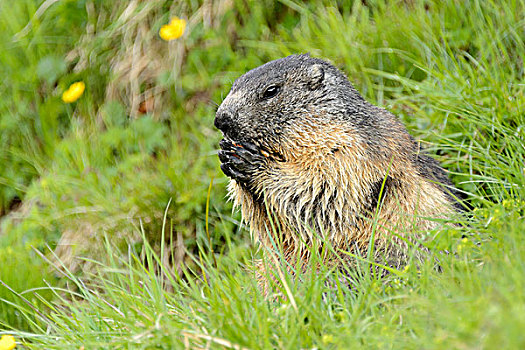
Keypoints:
(127, 304)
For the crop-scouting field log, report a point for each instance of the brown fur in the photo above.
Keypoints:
(310, 159)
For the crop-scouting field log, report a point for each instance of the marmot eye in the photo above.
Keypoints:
(271, 91)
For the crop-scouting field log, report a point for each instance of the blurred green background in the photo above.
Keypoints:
(142, 135)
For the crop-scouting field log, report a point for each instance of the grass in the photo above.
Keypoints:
(99, 174)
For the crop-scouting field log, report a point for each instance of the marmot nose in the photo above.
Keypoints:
(223, 120)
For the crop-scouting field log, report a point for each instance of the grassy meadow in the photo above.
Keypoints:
(115, 231)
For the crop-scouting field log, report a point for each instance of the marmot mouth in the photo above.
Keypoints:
(255, 146)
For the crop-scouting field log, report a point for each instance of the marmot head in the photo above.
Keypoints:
(268, 102)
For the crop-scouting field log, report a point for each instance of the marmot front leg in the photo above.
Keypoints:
(241, 162)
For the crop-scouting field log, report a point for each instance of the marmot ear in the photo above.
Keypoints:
(316, 75)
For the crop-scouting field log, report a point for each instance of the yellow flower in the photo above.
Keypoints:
(327, 338)
(74, 92)
(7, 342)
(173, 30)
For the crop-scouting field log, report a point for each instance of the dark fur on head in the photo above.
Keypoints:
(306, 85)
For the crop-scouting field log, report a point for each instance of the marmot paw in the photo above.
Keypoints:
(240, 161)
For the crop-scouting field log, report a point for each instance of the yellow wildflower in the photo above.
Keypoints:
(74, 92)
(173, 30)
(327, 338)
(7, 342)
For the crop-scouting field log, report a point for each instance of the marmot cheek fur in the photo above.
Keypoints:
(302, 144)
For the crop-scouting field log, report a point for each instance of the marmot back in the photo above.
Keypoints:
(301, 143)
